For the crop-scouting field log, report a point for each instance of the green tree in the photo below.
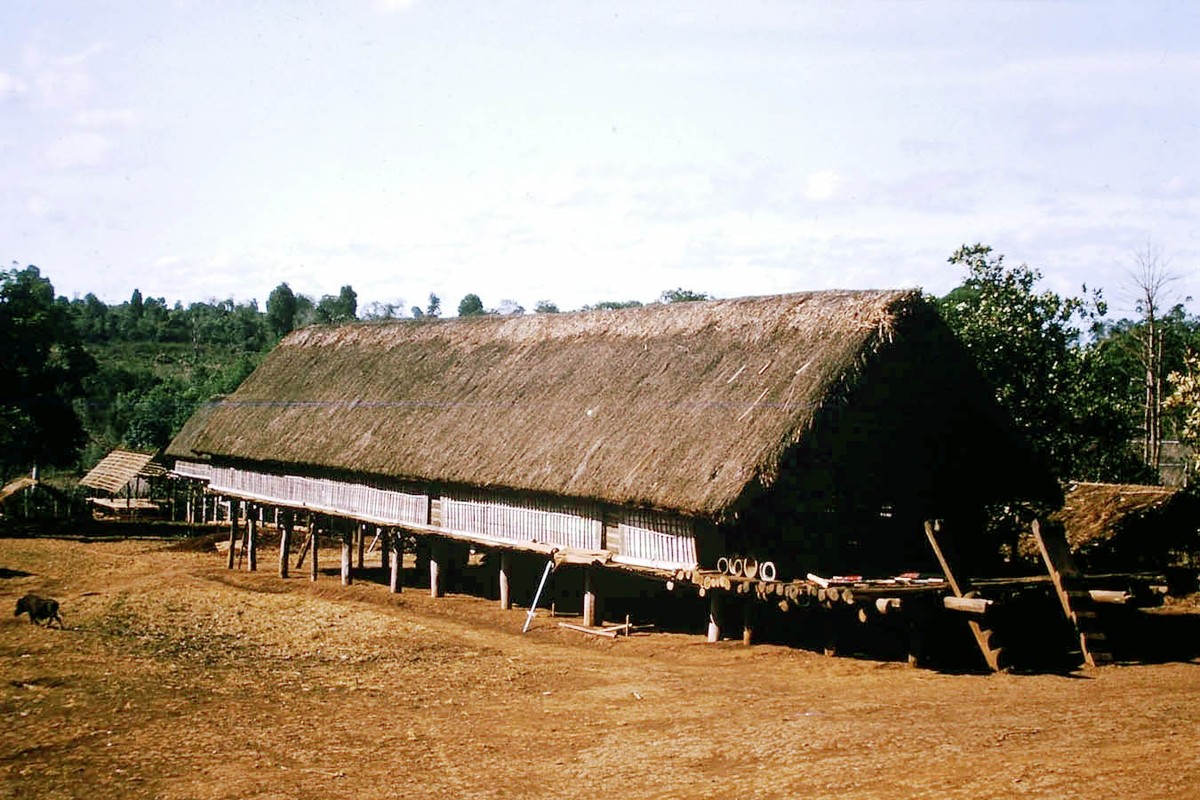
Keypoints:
(682, 296)
(1027, 344)
(281, 311)
(471, 306)
(42, 368)
(340, 309)
(545, 307)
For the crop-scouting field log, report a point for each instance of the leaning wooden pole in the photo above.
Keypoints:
(1077, 603)
(982, 635)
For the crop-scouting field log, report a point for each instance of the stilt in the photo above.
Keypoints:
(505, 579)
(589, 597)
(362, 543)
(396, 543)
(233, 532)
(747, 622)
(437, 554)
(251, 538)
(312, 546)
(347, 555)
(284, 521)
(385, 548)
(714, 616)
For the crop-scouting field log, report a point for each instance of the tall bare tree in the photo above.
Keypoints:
(1151, 277)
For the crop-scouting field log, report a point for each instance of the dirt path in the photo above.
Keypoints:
(178, 679)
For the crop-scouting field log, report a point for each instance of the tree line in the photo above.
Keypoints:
(1095, 397)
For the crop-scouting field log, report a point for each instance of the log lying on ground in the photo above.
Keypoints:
(971, 605)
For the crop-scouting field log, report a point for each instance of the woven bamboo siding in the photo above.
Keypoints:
(190, 469)
(655, 540)
(532, 521)
(358, 500)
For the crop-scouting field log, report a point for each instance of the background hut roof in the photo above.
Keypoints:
(118, 468)
(1095, 512)
(681, 406)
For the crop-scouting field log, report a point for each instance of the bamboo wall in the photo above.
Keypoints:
(632, 537)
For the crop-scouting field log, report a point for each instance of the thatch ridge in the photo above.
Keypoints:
(680, 407)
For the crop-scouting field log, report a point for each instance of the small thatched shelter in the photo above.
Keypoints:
(816, 429)
(126, 478)
(1123, 528)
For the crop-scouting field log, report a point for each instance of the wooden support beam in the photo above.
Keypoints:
(251, 538)
(714, 616)
(983, 635)
(589, 597)
(362, 544)
(312, 547)
(395, 541)
(285, 541)
(385, 548)
(437, 557)
(347, 555)
(233, 533)
(748, 619)
(505, 579)
(970, 605)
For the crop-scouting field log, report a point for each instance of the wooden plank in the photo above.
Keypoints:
(982, 634)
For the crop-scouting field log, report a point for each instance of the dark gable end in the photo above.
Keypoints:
(692, 408)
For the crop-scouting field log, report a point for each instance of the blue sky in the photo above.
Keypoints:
(578, 152)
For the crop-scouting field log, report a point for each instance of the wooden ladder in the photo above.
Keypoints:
(1076, 601)
(981, 632)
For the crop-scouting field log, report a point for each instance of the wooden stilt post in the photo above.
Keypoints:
(714, 616)
(347, 555)
(312, 546)
(747, 621)
(251, 538)
(233, 532)
(589, 597)
(385, 548)
(362, 544)
(437, 555)
(396, 543)
(505, 579)
(284, 521)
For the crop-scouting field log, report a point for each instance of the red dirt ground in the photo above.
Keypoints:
(176, 678)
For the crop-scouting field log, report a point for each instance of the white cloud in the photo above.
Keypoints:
(395, 5)
(105, 118)
(78, 150)
(11, 85)
(823, 185)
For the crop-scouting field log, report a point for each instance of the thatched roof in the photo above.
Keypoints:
(683, 407)
(118, 468)
(1095, 512)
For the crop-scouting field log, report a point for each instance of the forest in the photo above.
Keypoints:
(1097, 397)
